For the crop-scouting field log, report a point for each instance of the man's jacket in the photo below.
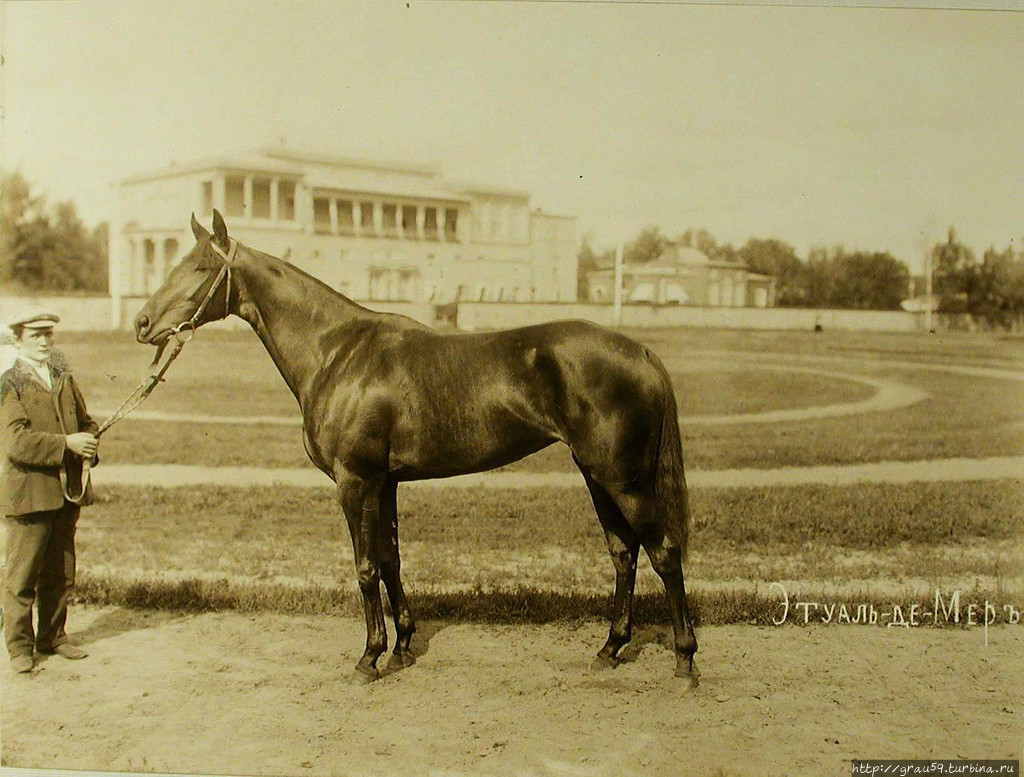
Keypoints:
(34, 421)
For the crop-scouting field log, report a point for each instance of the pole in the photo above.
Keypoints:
(115, 256)
(618, 287)
(928, 292)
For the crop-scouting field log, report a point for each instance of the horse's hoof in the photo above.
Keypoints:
(602, 662)
(363, 676)
(401, 660)
(685, 670)
(690, 680)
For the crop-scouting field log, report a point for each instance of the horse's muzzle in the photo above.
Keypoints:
(142, 327)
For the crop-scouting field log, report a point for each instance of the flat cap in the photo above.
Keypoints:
(33, 317)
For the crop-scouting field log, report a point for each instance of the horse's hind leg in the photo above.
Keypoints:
(391, 573)
(643, 518)
(666, 558)
(624, 547)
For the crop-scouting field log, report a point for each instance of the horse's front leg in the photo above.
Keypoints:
(360, 500)
(391, 572)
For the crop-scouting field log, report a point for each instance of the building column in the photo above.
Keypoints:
(160, 265)
(332, 209)
(134, 268)
(247, 198)
(219, 192)
(115, 266)
(273, 199)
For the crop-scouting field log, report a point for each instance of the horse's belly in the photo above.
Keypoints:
(448, 456)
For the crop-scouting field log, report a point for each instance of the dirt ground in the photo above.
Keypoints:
(269, 695)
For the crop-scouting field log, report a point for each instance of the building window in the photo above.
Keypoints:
(170, 252)
(495, 224)
(366, 218)
(451, 224)
(346, 221)
(406, 281)
(286, 200)
(389, 218)
(430, 223)
(207, 198)
(234, 195)
(321, 215)
(409, 221)
(261, 198)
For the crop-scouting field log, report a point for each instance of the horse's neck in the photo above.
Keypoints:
(290, 312)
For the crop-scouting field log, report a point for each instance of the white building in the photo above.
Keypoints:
(375, 231)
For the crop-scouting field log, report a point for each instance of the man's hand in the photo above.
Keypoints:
(83, 443)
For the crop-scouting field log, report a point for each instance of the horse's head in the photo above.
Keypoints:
(196, 292)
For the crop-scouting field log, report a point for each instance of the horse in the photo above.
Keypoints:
(386, 399)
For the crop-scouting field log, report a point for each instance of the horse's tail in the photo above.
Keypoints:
(670, 477)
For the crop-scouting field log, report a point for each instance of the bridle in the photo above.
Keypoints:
(144, 389)
(223, 274)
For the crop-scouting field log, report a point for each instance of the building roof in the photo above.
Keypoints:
(676, 255)
(333, 160)
(359, 175)
(245, 161)
(676, 260)
(362, 184)
(472, 187)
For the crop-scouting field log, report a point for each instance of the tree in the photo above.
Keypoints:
(51, 251)
(778, 259)
(952, 273)
(995, 293)
(819, 278)
(18, 209)
(862, 280)
(870, 281)
(589, 260)
(648, 246)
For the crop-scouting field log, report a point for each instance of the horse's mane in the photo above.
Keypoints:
(330, 292)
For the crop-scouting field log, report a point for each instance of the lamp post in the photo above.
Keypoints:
(928, 292)
(617, 293)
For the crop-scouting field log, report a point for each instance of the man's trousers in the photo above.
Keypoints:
(40, 570)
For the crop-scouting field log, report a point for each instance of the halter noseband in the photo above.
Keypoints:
(224, 272)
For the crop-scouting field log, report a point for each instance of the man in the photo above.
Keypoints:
(46, 435)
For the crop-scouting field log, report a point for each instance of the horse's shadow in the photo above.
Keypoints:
(420, 645)
(644, 636)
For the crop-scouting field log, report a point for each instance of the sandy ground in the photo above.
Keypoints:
(269, 694)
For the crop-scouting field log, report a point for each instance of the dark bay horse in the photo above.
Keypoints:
(385, 399)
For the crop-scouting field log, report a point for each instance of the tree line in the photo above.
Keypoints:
(47, 248)
(991, 291)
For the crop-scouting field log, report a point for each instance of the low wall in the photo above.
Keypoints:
(499, 315)
(94, 313)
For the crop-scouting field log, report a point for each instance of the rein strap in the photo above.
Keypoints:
(144, 388)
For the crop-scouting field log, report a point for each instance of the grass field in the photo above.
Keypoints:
(538, 553)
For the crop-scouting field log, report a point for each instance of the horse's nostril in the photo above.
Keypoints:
(142, 324)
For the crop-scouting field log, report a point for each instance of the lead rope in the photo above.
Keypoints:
(145, 388)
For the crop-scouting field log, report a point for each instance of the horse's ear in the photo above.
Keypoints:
(220, 230)
(198, 230)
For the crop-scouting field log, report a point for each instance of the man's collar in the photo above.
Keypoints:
(37, 365)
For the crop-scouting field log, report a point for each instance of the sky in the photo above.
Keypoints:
(872, 128)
